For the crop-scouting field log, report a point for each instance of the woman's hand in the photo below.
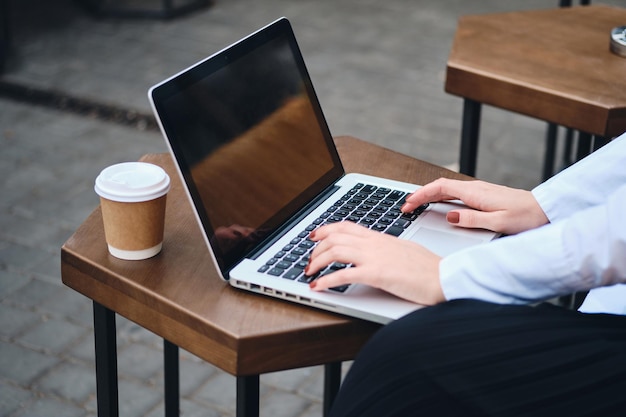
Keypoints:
(495, 207)
(400, 267)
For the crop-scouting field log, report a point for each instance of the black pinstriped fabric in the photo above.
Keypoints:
(471, 358)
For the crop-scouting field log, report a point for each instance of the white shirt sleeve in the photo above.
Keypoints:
(583, 251)
(587, 183)
(584, 247)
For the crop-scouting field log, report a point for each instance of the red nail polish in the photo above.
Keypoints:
(312, 235)
(313, 284)
(453, 217)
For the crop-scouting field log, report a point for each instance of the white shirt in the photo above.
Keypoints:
(583, 246)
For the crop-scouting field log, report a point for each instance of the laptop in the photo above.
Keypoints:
(260, 167)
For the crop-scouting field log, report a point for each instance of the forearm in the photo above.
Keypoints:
(584, 251)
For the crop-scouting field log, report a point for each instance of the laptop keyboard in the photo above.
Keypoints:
(374, 207)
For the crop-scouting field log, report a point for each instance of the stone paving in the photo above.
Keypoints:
(378, 67)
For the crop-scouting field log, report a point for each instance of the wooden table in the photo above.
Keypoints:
(554, 65)
(178, 296)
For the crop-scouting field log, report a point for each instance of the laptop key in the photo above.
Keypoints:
(404, 223)
(396, 195)
(290, 258)
(293, 273)
(409, 216)
(276, 271)
(341, 288)
(298, 251)
(337, 265)
(378, 227)
(368, 189)
(394, 230)
(307, 279)
(394, 213)
(306, 244)
(367, 221)
(283, 265)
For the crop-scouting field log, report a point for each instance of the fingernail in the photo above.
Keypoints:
(306, 269)
(453, 217)
(312, 235)
(313, 284)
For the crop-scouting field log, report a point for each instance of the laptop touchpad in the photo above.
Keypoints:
(442, 243)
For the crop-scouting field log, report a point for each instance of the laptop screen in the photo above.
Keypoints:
(250, 139)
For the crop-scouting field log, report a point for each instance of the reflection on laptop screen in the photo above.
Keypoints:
(250, 140)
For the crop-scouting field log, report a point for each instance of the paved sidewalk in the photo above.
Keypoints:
(378, 67)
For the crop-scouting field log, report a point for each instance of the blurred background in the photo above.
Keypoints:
(73, 100)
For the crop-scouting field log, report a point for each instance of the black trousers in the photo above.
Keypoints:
(472, 358)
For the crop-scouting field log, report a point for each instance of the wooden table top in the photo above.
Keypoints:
(553, 64)
(178, 295)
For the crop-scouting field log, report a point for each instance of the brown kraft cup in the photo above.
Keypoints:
(132, 198)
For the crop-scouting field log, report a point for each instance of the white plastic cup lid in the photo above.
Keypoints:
(618, 41)
(132, 182)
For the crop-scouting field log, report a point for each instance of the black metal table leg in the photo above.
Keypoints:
(332, 382)
(172, 379)
(106, 361)
(599, 141)
(584, 145)
(469, 136)
(550, 153)
(568, 148)
(248, 396)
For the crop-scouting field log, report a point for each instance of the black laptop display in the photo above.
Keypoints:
(234, 119)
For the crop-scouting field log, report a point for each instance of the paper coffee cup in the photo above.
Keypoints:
(132, 198)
